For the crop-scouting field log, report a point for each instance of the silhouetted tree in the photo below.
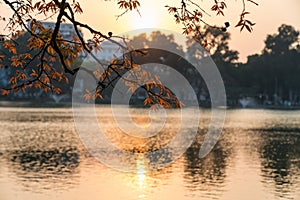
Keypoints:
(275, 72)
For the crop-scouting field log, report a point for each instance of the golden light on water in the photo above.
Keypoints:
(141, 172)
(141, 175)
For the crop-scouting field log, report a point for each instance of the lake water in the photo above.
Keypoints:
(256, 157)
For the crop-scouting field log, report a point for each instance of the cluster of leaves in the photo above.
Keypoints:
(129, 70)
(45, 44)
(31, 68)
(129, 5)
(219, 7)
(190, 15)
(243, 22)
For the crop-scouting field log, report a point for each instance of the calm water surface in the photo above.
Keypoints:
(257, 157)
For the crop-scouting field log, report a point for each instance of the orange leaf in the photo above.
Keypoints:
(87, 97)
(5, 92)
(16, 62)
(33, 74)
(66, 80)
(248, 28)
(27, 55)
(10, 47)
(67, 62)
(57, 90)
(77, 8)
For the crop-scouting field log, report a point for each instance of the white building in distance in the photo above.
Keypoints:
(67, 30)
(107, 52)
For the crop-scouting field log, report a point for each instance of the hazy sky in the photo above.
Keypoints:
(268, 16)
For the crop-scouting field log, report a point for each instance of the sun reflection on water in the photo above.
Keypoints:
(141, 175)
(141, 172)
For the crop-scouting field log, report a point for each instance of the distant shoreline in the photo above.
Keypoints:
(28, 104)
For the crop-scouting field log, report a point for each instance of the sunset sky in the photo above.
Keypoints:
(268, 16)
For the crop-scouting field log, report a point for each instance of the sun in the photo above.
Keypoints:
(146, 19)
